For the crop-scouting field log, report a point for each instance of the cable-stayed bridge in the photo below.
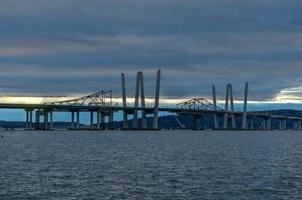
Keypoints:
(103, 104)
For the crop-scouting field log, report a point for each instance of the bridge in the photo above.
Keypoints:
(102, 103)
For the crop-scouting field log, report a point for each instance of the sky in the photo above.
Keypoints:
(75, 47)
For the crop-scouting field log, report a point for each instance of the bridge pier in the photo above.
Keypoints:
(78, 119)
(262, 125)
(29, 118)
(110, 120)
(37, 119)
(194, 125)
(102, 120)
(46, 125)
(203, 123)
(72, 120)
(251, 127)
(296, 125)
(98, 119)
(282, 124)
(268, 123)
(51, 120)
(91, 120)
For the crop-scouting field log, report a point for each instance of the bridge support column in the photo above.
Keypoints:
(98, 119)
(31, 119)
(101, 121)
(194, 119)
(51, 120)
(262, 125)
(110, 120)
(135, 120)
(282, 124)
(142, 89)
(139, 92)
(156, 103)
(244, 122)
(102, 118)
(37, 118)
(203, 123)
(72, 120)
(91, 120)
(125, 115)
(229, 96)
(46, 127)
(268, 123)
(252, 123)
(78, 119)
(216, 126)
(27, 119)
(296, 125)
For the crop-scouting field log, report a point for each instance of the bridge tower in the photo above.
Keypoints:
(139, 91)
(216, 126)
(156, 103)
(229, 97)
(125, 115)
(244, 121)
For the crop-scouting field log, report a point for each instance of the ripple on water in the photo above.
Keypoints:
(147, 165)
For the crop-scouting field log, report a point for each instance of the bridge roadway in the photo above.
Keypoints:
(49, 108)
(171, 109)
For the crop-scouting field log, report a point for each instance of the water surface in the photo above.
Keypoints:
(150, 165)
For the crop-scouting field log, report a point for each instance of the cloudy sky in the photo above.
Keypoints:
(74, 47)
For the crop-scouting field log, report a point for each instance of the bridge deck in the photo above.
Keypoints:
(171, 109)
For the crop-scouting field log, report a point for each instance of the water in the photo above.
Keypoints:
(151, 165)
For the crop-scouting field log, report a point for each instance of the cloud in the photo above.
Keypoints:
(74, 47)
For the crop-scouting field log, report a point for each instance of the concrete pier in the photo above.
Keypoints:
(91, 120)
(51, 120)
(46, 124)
(78, 119)
(72, 120)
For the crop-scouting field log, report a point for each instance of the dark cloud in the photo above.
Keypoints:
(71, 47)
